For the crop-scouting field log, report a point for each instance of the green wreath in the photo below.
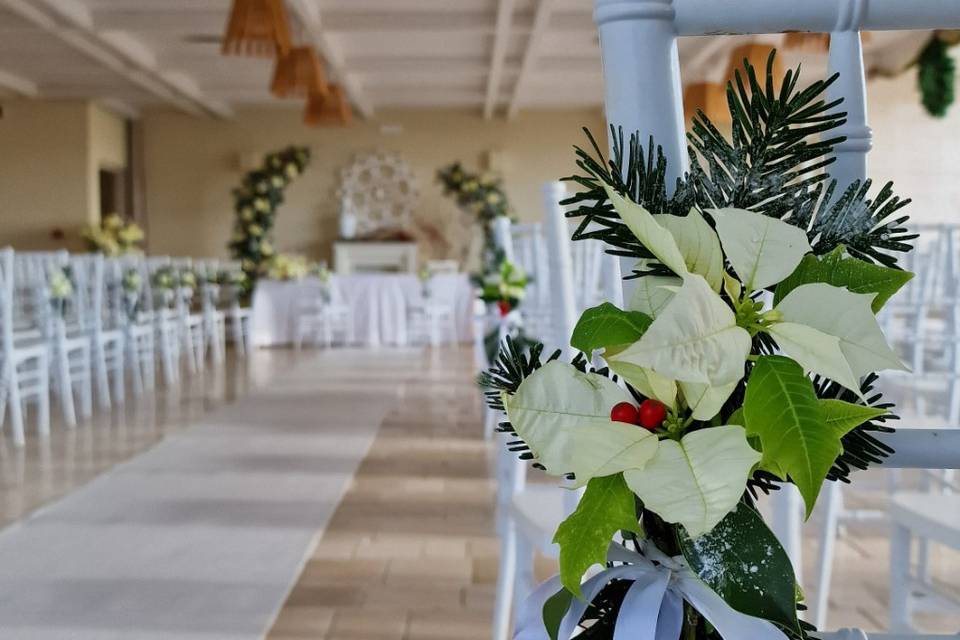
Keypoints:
(255, 204)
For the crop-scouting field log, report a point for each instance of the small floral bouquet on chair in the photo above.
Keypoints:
(165, 281)
(131, 286)
(60, 290)
(504, 287)
(424, 275)
(323, 274)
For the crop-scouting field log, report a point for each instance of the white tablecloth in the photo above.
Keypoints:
(379, 304)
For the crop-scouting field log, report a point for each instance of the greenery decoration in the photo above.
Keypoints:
(750, 394)
(256, 202)
(481, 195)
(936, 75)
(114, 236)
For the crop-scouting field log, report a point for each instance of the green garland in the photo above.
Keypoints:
(483, 196)
(935, 75)
(256, 202)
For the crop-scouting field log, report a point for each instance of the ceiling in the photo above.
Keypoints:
(494, 56)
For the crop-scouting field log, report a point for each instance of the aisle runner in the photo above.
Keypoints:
(203, 535)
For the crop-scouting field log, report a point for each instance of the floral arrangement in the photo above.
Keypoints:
(256, 202)
(287, 266)
(60, 289)
(482, 196)
(748, 348)
(131, 284)
(424, 275)
(505, 287)
(114, 236)
(165, 281)
(187, 279)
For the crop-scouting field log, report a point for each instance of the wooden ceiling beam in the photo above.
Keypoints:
(541, 19)
(498, 55)
(72, 23)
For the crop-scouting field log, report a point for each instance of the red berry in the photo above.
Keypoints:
(504, 307)
(652, 413)
(625, 412)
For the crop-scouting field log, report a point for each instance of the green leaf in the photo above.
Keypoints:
(762, 249)
(563, 415)
(815, 351)
(607, 506)
(554, 609)
(607, 326)
(698, 245)
(782, 409)
(655, 238)
(744, 563)
(648, 382)
(840, 270)
(652, 293)
(694, 339)
(849, 317)
(697, 481)
(846, 416)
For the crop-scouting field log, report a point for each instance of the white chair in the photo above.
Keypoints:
(433, 314)
(528, 514)
(190, 325)
(107, 343)
(25, 369)
(158, 312)
(214, 319)
(138, 335)
(238, 317)
(321, 316)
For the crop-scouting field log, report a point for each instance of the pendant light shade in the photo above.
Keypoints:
(330, 110)
(257, 28)
(299, 74)
(709, 97)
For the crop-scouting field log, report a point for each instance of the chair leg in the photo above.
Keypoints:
(119, 375)
(16, 407)
(65, 388)
(828, 538)
(899, 579)
(506, 577)
(86, 387)
(103, 384)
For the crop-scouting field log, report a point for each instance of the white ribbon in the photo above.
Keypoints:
(653, 606)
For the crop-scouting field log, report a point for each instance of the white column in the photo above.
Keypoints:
(561, 265)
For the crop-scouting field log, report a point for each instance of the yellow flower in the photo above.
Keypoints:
(277, 182)
(262, 205)
(292, 170)
(255, 230)
(112, 222)
(266, 248)
(493, 198)
(470, 186)
(246, 214)
(247, 265)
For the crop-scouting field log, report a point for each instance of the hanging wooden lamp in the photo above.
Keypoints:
(709, 97)
(257, 28)
(330, 110)
(299, 74)
(756, 54)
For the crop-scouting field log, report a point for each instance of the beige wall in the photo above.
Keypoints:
(192, 164)
(48, 170)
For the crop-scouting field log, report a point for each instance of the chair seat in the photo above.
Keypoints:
(930, 515)
(537, 510)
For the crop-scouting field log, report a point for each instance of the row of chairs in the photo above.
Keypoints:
(79, 326)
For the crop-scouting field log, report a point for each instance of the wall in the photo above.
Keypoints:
(191, 165)
(51, 152)
(43, 180)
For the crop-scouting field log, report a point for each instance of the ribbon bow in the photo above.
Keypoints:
(653, 606)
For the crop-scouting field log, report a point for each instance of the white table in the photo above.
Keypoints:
(379, 303)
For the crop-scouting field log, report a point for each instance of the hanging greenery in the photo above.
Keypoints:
(482, 196)
(936, 74)
(256, 202)
(725, 395)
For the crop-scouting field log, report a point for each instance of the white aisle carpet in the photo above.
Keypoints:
(203, 535)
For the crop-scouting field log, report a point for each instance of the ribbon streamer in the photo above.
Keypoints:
(653, 606)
